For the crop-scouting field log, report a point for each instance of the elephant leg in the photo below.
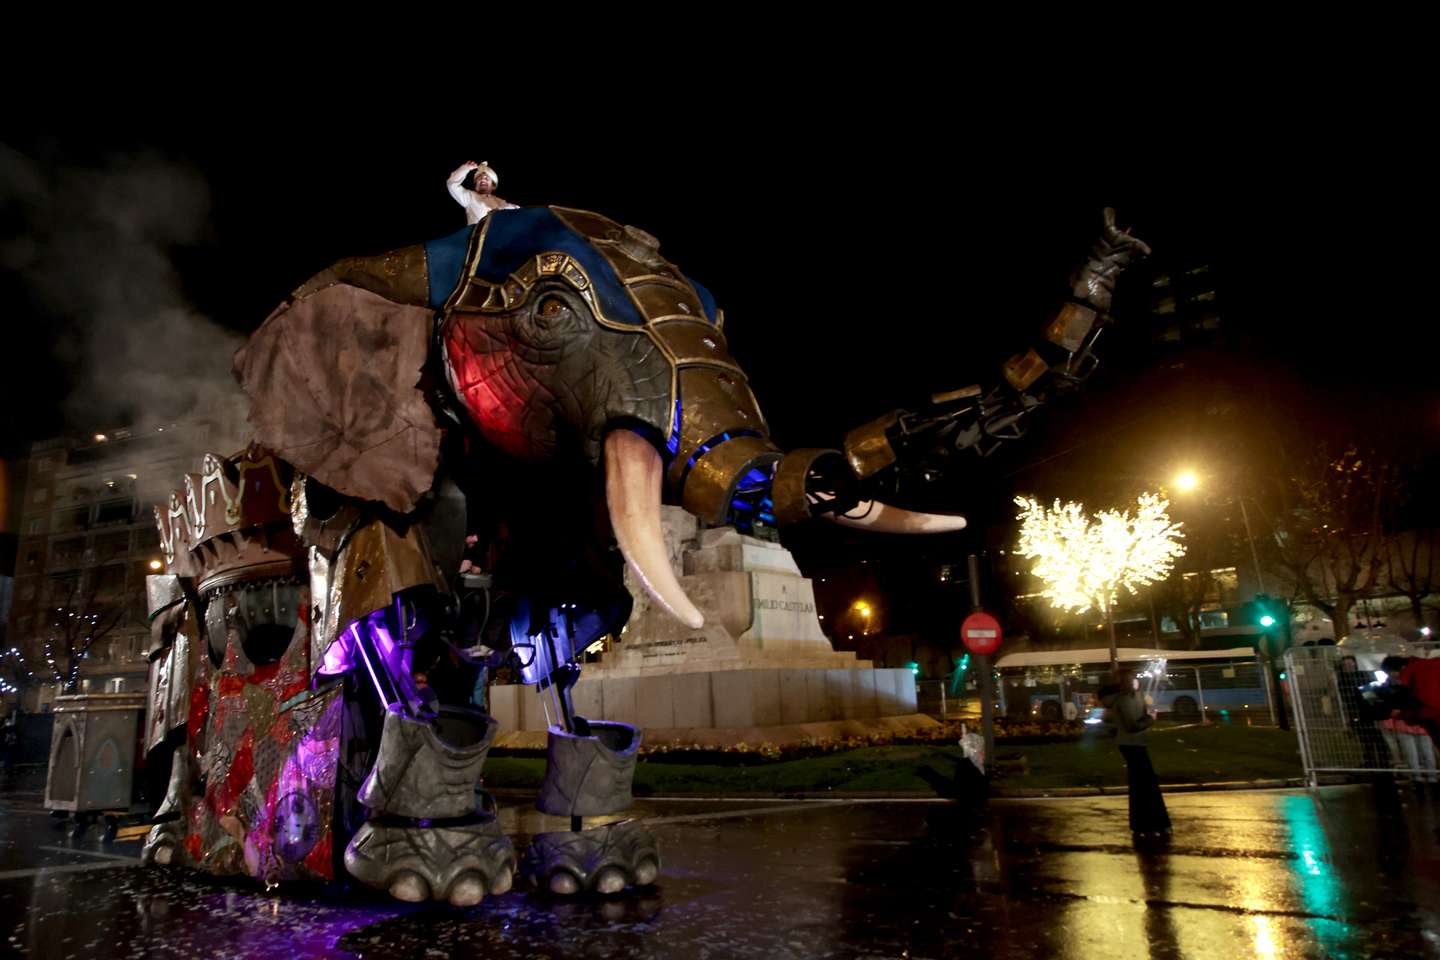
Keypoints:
(165, 842)
(426, 838)
(460, 864)
(589, 774)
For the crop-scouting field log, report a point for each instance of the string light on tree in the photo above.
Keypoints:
(1084, 562)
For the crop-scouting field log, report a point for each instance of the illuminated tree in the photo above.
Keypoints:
(1085, 561)
(83, 615)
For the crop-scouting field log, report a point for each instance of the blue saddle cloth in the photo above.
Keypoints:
(516, 236)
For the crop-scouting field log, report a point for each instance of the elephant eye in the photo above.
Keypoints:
(547, 321)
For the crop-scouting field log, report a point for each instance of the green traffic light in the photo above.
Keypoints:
(915, 668)
(1267, 621)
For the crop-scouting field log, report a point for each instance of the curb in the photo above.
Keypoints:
(1001, 793)
(1216, 786)
(516, 793)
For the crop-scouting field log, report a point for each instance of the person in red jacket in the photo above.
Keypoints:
(1422, 677)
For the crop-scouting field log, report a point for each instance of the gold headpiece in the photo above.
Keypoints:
(231, 517)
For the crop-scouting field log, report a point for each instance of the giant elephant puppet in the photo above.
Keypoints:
(498, 402)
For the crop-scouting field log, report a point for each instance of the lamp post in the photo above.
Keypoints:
(1254, 554)
(1188, 481)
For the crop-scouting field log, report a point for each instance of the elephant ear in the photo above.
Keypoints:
(333, 387)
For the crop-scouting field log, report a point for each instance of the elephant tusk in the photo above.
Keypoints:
(882, 518)
(633, 472)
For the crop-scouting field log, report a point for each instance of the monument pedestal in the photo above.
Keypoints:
(760, 661)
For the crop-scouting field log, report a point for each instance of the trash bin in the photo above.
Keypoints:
(92, 752)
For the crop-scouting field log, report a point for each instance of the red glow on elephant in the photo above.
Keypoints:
(484, 373)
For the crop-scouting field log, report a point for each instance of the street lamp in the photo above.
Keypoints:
(864, 609)
(1188, 481)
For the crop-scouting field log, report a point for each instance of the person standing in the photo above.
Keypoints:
(10, 741)
(1125, 710)
(1360, 714)
(1421, 677)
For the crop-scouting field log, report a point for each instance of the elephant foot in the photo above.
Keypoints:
(461, 864)
(164, 844)
(603, 860)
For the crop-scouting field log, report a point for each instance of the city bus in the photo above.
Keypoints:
(1182, 685)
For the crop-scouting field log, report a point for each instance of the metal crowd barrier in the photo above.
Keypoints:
(1336, 693)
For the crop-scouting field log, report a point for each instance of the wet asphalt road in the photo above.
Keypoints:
(1352, 873)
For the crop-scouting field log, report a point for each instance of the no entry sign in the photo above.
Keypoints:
(981, 633)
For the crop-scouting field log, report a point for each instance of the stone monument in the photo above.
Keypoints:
(760, 661)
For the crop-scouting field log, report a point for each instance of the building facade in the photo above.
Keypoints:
(87, 539)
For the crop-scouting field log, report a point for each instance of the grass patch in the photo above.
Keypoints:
(1181, 755)
(901, 769)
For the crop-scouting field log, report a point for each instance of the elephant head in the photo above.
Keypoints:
(566, 328)
(562, 332)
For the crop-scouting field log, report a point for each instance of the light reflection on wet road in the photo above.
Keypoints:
(1262, 874)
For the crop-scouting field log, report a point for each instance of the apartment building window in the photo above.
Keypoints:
(112, 546)
(110, 579)
(74, 519)
(115, 511)
(68, 553)
(63, 588)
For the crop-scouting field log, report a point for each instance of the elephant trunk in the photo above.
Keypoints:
(747, 474)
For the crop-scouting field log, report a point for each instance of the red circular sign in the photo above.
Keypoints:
(981, 633)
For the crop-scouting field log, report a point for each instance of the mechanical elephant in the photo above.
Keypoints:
(447, 440)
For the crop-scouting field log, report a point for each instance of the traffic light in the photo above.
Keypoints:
(1272, 614)
(915, 668)
(959, 677)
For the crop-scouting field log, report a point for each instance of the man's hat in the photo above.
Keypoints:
(488, 170)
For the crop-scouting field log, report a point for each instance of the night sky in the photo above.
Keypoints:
(868, 243)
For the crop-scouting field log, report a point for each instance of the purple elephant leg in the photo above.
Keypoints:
(425, 773)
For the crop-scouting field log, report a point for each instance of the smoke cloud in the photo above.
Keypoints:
(94, 249)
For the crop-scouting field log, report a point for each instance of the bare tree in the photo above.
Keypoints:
(1330, 532)
(1181, 596)
(81, 615)
(1192, 584)
(15, 673)
(1411, 569)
